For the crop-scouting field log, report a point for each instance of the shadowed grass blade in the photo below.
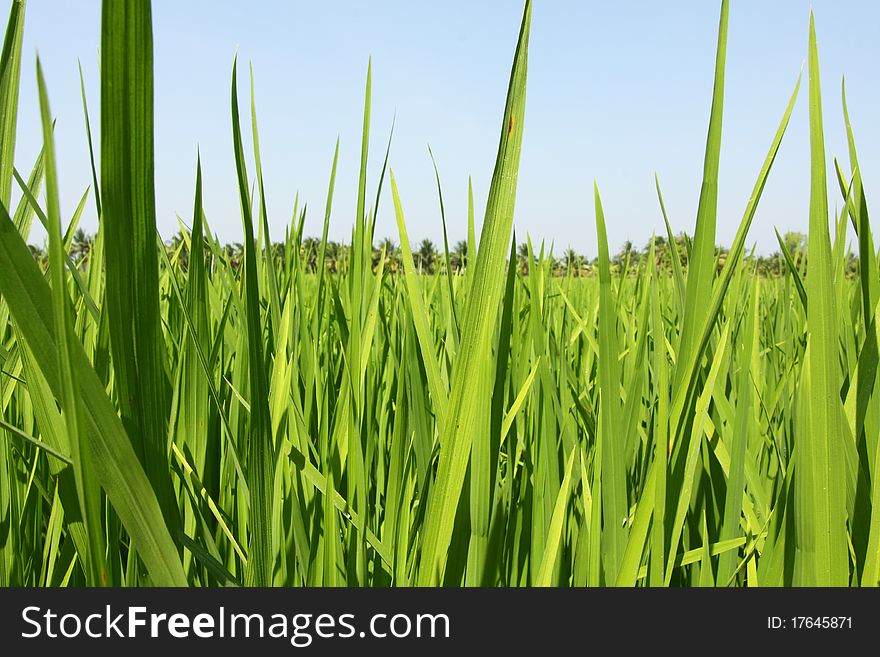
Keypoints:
(129, 225)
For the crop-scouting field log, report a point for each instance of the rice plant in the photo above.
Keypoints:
(176, 415)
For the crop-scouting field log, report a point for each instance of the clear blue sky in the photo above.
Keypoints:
(617, 91)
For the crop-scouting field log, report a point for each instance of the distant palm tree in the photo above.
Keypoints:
(662, 254)
(333, 256)
(570, 260)
(391, 254)
(80, 247)
(39, 255)
(627, 251)
(458, 259)
(522, 258)
(309, 250)
(235, 254)
(427, 255)
(279, 253)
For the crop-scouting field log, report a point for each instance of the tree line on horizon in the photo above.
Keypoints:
(431, 259)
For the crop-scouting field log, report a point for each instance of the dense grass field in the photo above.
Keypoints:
(171, 416)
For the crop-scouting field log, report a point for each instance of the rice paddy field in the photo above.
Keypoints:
(174, 416)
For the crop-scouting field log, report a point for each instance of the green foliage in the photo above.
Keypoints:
(311, 412)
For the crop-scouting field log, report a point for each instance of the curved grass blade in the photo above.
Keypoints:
(88, 491)
(119, 471)
(795, 274)
(673, 247)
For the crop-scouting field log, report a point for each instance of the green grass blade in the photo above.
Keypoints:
(821, 520)
(792, 268)
(88, 491)
(551, 548)
(677, 273)
(10, 74)
(614, 497)
(701, 262)
(478, 324)
(129, 225)
(419, 315)
(271, 275)
(82, 87)
(445, 241)
(260, 457)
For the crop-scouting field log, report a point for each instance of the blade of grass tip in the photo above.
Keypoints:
(614, 499)
(359, 243)
(821, 519)
(10, 69)
(28, 195)
(731, 265)
(274, 297)
(701, 262)
(445, 240)
(518, 402)
(82, 86)
(436, 386)
(795, 274)
(70, 233)
(24, 213)
(195, 389)
(382, 174)
(673, 247)
(868, 266)
(88, 491)
(478, 324)
(471, 255)
(129, 224)
(260, 458)
(554, 533)
(322, 250)
(365, 146)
